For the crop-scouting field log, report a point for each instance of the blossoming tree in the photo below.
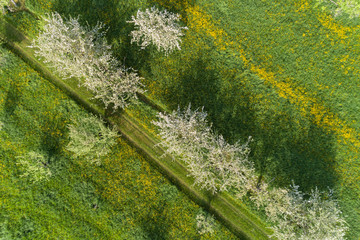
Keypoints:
(159, 28)
(82, 52)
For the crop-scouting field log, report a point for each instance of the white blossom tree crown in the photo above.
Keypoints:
(70, 48)
(73, 50)
(160, 28)
(214, 164)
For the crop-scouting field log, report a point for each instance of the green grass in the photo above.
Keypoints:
(124, 198)
(248, 226)
(281, 71)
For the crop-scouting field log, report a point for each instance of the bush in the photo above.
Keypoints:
(205, 223)
(90, 138)
(35, 166)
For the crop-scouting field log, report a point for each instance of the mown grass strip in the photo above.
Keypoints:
(236, 217)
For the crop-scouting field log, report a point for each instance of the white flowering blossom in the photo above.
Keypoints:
(297, 217)
(82, 52)
(214, 164)
(159, 28)
(205, 223)
(118, 93)
(339, 7)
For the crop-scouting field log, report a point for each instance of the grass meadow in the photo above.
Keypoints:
(284, 72)
(124, 198)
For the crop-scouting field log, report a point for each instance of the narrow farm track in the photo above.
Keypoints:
(232, 213)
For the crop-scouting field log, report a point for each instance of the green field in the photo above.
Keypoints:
(124, 198)
(284, 72)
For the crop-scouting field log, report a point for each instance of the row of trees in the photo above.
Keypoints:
(82, 52)
(219, 166)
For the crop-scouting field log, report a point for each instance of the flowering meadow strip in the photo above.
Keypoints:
(299, 97)
(322, 117)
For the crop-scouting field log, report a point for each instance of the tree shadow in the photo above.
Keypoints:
(196, 85)
(12, 99)
(155, 228)
(284, 153)
(287, 146)
(51, 142)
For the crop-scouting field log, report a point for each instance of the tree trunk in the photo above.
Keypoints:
(109, 110)
(259, 181)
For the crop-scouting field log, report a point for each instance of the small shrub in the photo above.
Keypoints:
(91, 139)
(34, 166)
(205, 223)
